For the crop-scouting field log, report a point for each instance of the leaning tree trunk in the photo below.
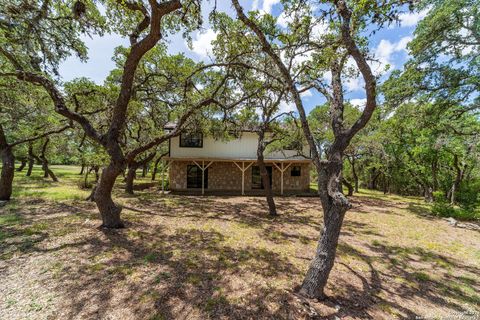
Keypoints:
(349, 186)
(144, 170)
(47, 171)
(23, 164)
(355, 177)
(131, 173)
(82, 169)
(8, 171)
(334, 205)
(109, 211)
(155, 168)
(272, 209)
(31, 161)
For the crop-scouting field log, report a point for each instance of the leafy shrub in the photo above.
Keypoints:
(468, 196)
(443, 209)
(467, 199)
(446, 210)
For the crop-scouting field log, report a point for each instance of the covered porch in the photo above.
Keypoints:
(237, 176)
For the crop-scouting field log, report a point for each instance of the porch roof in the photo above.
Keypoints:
(267, 160)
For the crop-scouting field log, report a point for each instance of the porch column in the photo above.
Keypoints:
(243, 169)
(282, 169)
(203, 167)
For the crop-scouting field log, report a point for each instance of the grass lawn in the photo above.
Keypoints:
(185, 257)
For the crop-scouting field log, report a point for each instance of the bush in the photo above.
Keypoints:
(467, 199)
(446, 210)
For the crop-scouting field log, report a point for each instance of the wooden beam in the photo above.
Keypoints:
(282, 170)
(243, 169)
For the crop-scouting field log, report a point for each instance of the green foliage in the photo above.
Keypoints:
(468, 195)
(467, 210)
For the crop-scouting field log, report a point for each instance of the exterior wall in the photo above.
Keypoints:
(225, 176)
(243, 148)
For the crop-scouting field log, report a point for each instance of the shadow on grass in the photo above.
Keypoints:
(191, 272)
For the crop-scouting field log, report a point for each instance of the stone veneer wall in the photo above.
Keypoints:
(227, 176)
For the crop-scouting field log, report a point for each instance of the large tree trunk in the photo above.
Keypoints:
(8, 171)
(272, 209)
(109, 211)
(23, 164)
(334, 205)
(131, 173)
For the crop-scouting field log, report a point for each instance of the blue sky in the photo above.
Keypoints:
(389, 46)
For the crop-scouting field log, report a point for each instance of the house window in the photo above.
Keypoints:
(257, 182)
(194, 177)
(296, 171)
(191, 140)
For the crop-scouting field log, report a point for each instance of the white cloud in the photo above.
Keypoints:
(306, 94)
(354, 84)
(286, 107)
(358, 103)
(385, 50)
(410, 19)
(283, 20)
(266, 6)
(202, 43)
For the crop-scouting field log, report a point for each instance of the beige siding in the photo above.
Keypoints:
(243, 148)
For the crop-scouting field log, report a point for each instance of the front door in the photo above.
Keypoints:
(257, 182)
(194, 177)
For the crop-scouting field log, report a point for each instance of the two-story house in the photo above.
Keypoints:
(201, 163)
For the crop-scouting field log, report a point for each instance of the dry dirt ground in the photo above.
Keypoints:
(186, 257)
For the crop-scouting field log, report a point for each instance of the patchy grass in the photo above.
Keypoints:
(185, 257)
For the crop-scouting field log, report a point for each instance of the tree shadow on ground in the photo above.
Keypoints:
(184, 271)
(191, 273)
(395, 274)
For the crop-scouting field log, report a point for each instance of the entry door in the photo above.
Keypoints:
(194, 177)
(257, 182)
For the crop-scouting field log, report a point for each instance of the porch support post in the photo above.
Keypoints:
(203, 177)
(243, 169)
(243, 178)
(281, 180)
(282, 170)
(203, 167)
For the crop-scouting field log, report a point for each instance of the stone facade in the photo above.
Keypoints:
(225, 176)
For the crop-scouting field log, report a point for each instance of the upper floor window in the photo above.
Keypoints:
(296, 171)
(191, 140)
